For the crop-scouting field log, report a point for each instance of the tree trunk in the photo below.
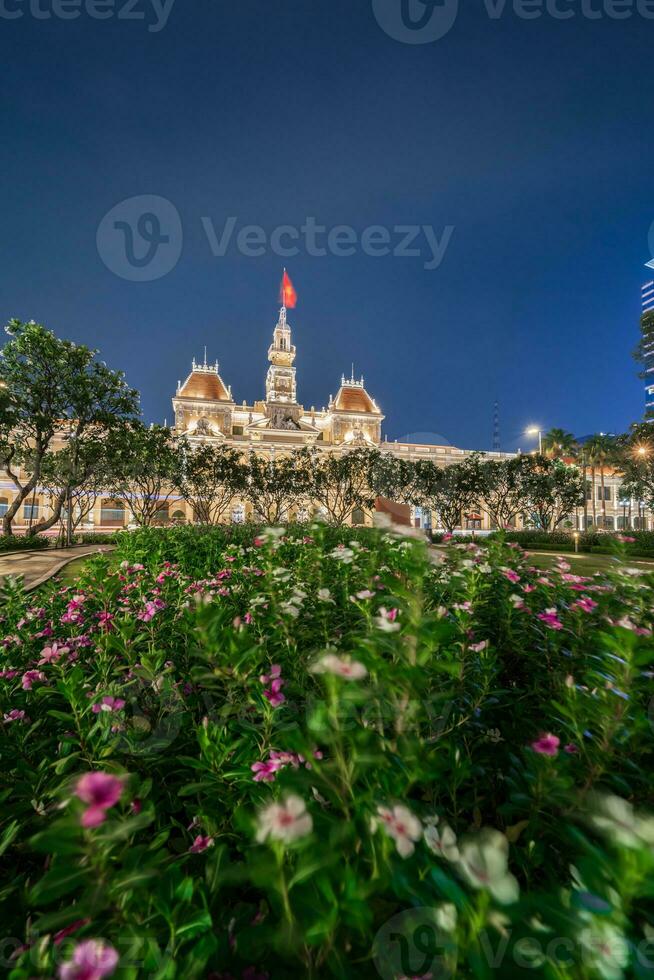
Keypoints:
(56, 514)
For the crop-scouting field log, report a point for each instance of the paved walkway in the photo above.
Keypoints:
(37, 567)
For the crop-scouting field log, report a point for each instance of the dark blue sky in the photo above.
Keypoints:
(532, 138)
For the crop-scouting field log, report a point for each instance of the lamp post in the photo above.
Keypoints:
(533, 430)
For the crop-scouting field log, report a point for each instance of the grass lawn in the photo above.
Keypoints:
(584, 564)
(69, 573)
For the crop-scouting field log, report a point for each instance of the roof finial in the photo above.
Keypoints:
(205, 355)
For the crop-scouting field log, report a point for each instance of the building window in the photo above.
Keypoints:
(178, 516)
(30, 512)
(238, 514)
(238, 430)
(112, 513)
(4, 506)
(161, 515)
(607, 493)
(358, 516)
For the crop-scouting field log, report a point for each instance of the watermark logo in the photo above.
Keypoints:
(415, 943)
(425, 21)
(141, 238)
(416, 21)
(153, 12)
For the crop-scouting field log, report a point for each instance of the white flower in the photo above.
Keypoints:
(325, 595)
(446, 916)
(617, 820)
(605, 949)
(286, 821)
(386, 620)
(483, 863)
(342, 554)
(442, 841)
(400, 824)
(350, 670)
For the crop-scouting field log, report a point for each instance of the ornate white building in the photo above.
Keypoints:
(205, 411)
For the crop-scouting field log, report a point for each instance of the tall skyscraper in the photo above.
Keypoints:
(646, 347)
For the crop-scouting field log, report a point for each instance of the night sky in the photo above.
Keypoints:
(532, 138)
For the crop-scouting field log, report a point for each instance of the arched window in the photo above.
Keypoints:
(112, 513)
(162, 515)
(238, 514)
(358, 516)
(178, 516)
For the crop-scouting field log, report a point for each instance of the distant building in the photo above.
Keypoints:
(647, 345)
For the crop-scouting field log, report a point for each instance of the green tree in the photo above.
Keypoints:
(343, 482)
(600, 451)
(557, 444)
(276, 484)
(52, 387)
(451, 490)
(636, 461)
(552, 491)
(74, 477)
(502, 486)
(209, 478)
(144, 465)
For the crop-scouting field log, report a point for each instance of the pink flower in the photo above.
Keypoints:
(625, 539)
(14, 715)
(51, 654)
(286, 821)
(570, 749)
(273, 694)
(108, 704)
(400, 824)
(247, 618)
(349, 670)
(585, 604)
(478, 647)
(92, 960)
(551, 619)
(264, 772)
(148, 613)
(101, 791)
(31, 677)
(546, 744)
(201, 844)
(105, 619)
(509, 574)
(447, 537)
(528, 588)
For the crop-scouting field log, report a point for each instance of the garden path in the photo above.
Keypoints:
(37, 567)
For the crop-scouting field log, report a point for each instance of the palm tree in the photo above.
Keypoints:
(600, 451)
(557, 443)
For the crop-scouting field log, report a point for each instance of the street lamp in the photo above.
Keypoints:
(533, 430)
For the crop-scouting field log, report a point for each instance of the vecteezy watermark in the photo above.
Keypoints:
(153, 12)
(141, 238)
(342, 241)
(426, 21)
(415, 944)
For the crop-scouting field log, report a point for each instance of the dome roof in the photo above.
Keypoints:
(204, 383)
(353, 397)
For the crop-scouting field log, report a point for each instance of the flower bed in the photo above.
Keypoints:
(322, 754)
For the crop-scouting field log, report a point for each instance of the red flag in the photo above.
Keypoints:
(287, 294)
